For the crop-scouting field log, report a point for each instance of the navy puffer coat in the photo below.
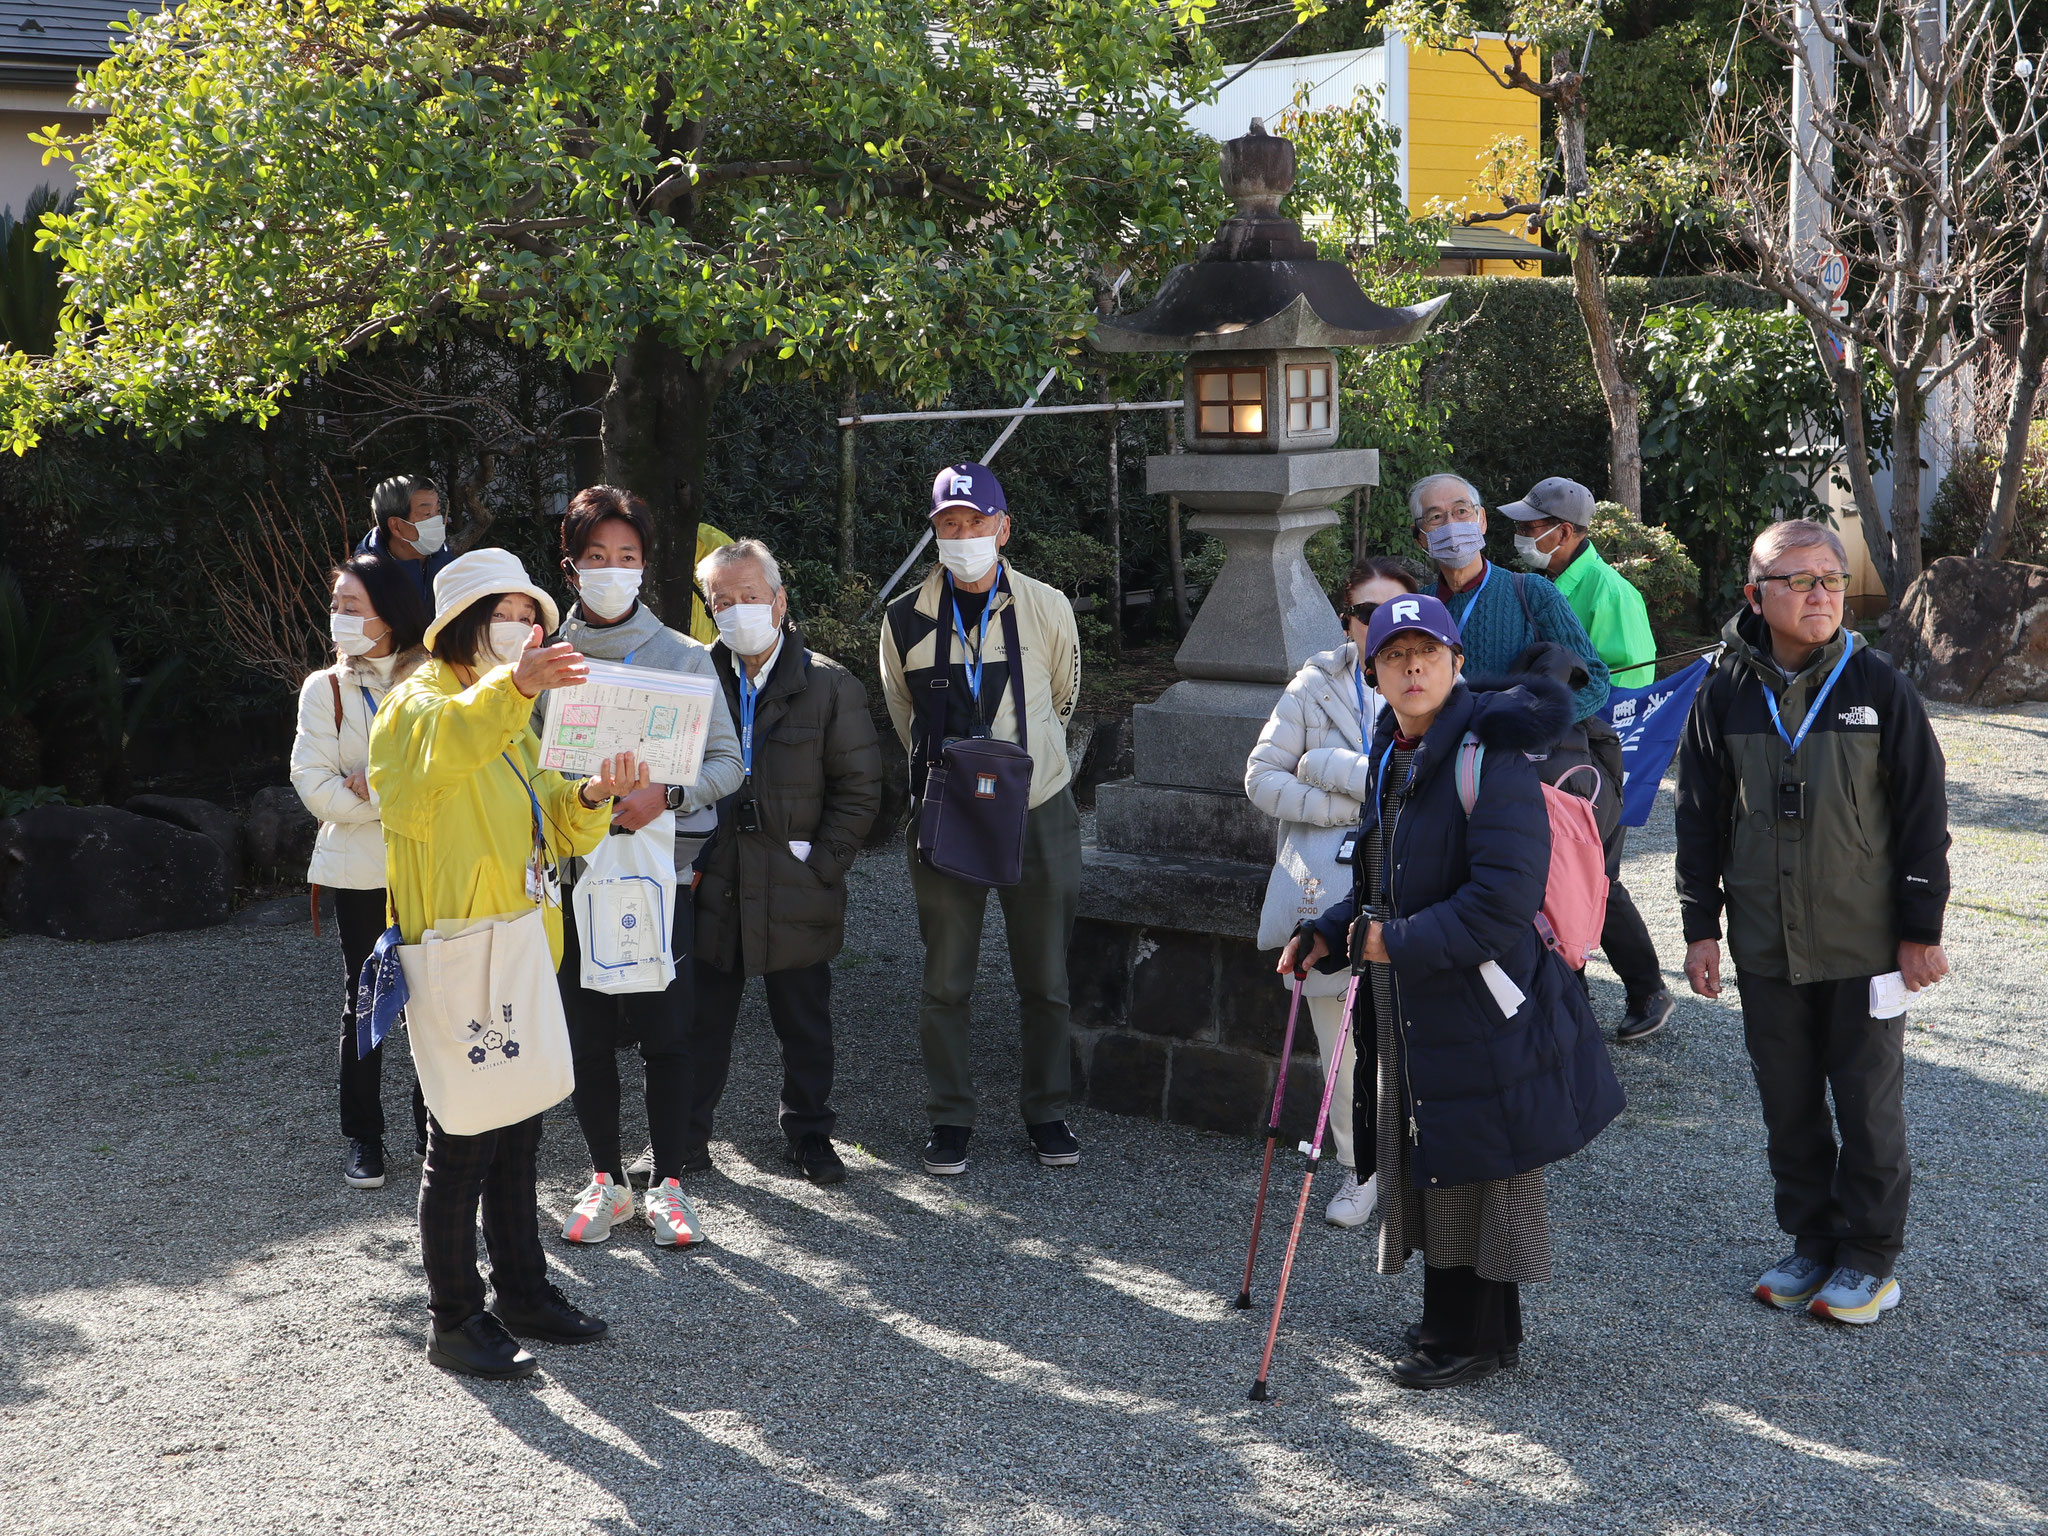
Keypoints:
(1491, 1096)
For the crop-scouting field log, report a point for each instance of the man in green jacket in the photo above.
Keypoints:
(1551, 538)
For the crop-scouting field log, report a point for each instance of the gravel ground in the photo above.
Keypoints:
(201, 1329)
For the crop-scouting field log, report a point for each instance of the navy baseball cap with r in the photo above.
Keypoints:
(973, 486)
(1418, 612)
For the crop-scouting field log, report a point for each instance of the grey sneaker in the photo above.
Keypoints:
(1851, 1296)
(1791, 1283)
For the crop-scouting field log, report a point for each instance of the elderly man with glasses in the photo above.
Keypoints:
(1499, 613)
(1812, 811)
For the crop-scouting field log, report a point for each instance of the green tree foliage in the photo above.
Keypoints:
(666, 194)
(1653, 561)
(1742, 423)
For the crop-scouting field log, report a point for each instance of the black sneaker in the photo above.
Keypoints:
(696, 1160)
(480, 1346)
(946, 1152)
(820, 1163)
(1054, 1144)
(640, 1171)
(1645, 1017)
(554, 1318)
(364, 1168)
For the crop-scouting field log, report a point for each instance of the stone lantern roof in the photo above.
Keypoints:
(1259, 284)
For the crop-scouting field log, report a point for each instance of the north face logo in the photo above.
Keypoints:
(1858, 714)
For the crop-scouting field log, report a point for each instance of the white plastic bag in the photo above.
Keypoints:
(484, 1018)
(625, 909)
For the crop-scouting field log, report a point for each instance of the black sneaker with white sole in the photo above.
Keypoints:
(1645, 1017)
(945, 1153)
(364, 1167)
(1054, 1144)
(814, 1154)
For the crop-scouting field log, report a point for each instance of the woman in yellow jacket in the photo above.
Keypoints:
(472, 828)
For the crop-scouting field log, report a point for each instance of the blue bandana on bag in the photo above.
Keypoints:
(380, 993)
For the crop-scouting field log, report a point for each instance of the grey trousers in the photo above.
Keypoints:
(1038, 917)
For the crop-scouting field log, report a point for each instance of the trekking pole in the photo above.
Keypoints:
(1314, 1149)
(1304, 938)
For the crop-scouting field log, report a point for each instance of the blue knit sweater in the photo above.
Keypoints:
(1495, 629)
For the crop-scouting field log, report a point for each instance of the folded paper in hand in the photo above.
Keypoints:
(662, 717)
(1888, 995)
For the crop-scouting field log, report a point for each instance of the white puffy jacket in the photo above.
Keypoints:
(1308, 771)
(348, 854)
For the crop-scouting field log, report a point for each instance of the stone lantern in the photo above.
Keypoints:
(1175, 1013)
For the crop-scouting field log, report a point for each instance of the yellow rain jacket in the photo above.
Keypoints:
(458, 827)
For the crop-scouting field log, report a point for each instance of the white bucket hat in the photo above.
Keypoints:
(484, 573)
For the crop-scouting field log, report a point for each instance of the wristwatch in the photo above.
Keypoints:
(673, 797)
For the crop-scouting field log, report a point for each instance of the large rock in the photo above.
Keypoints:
(281, 832)
(1974, 631)
(95, 872)
(201, 816)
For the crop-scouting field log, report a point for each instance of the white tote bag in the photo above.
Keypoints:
(1306, 881)
(625, 909)
(489, 1040)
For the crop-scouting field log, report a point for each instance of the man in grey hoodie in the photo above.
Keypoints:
(607, 541)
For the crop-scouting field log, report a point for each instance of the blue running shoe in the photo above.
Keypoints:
(1791, 1283)
(1851, 1296)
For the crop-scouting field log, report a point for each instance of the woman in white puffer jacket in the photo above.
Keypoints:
(376, 618)
(1301, 773)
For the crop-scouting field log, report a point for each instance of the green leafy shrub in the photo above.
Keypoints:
(14, 801)
(1963, 504)
(1651, 560)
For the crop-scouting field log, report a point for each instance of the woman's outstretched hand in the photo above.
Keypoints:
(542, 666)
(615, 777)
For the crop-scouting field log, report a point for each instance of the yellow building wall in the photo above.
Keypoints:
(1455, 109)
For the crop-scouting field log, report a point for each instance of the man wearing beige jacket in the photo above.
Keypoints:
(968, 594)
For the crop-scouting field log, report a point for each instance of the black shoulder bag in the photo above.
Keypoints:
(977, 790)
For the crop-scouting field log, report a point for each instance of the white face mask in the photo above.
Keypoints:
(968, 559)
(748, 629)
(429, 534)
(506, 643)
(1531, 551)
(609, 590)
(349, 638)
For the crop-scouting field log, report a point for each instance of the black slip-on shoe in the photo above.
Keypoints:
(554, 1318)
(364, 1166)
(1412, 1337)
(1645, 1017)
(1428, 1370)
(479, 1346)
(816, 1156)
(945, 1153)
(1055, 1145)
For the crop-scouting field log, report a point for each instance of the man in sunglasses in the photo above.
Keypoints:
(1812, 810)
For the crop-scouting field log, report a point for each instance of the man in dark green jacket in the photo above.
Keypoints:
(1812, 808)
(772, 898)
(1551, 537)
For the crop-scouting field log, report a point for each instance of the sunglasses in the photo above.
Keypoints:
(1362, 612)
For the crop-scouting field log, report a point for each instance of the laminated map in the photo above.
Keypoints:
(661, 716)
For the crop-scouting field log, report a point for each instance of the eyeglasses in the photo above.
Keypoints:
(1803, 582)
(1457, 512)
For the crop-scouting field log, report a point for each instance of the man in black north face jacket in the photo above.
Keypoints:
(1811, 809)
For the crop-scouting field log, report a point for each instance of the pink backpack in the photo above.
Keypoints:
(1575, 894)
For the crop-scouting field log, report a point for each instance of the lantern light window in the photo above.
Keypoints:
(1230, 402)
(1308, 397)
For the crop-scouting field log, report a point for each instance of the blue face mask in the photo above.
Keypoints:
(1455, 545)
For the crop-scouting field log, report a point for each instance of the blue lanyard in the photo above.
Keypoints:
(1813, 709)
(749, 695)
(369, 703)
(1473, 602)
(1380, 778)
(531, 798)
(1364, 720)
(971, 664)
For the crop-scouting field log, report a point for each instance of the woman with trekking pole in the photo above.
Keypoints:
(1490, 1065)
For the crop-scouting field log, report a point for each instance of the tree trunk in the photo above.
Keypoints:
(847, 482)
(587, 389)
(657, 419)
(1848, 379)
(1909, 414)
(1116, 537)
(1589, 287)
(2026, 387)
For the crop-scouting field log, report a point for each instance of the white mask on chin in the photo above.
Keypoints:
(748, 629)
(505, 644)
(968, 559)
(609, 591)
(429, 534)
(347, 632)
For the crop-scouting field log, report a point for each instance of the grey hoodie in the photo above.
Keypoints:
(648, 642)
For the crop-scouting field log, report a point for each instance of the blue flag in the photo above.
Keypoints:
(1649, 722)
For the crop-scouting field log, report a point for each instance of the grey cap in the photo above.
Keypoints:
(1566, 500)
